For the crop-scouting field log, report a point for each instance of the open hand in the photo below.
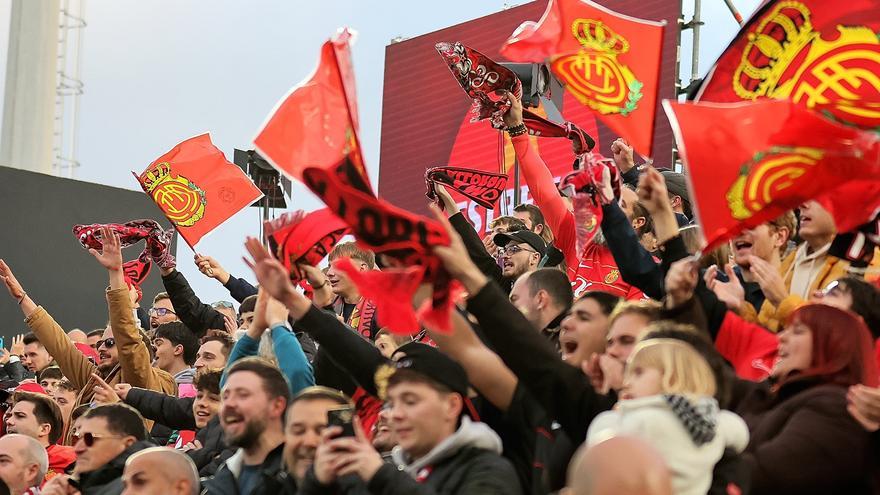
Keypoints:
(731, 292)
(271, 274)
(770, 280)
(12, 285)
(110, 256)
(17, 348)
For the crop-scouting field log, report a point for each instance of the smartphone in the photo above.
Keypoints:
(342, 417)
(2, 342)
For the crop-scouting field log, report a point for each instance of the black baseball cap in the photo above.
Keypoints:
(428, 361)
(527, 236)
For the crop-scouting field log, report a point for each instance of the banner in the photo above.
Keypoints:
(197, 188)
(750, 162)
(304, 238)
(484, 188)
(610, 62)
(824, 56)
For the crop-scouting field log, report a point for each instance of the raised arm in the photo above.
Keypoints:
(238, 288)
(134, 356)
(563, 390)
(357, 356)
(75, 366)
(196, 315)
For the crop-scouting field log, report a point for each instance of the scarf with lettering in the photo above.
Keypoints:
(484, 188)
(158, 241)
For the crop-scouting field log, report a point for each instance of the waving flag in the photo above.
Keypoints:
(304, 238)
(824, 56)
(610, 62)
(197, 188)
(312, 135)
(751, 162)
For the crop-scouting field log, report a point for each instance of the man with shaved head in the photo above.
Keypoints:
(23, 462)
(77, 336)
(618, 466)
(160, 470)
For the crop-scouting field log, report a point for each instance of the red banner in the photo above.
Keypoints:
(822, 55)
(750, 162)
(197, 188)
(304, 238)
(484, 188)
(610, 62)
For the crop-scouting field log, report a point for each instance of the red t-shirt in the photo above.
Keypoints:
(595, 269)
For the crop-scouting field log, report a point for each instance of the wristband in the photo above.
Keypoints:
(23, 295)
(517, 130)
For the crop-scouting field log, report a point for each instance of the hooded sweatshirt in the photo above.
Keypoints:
(691, 436)
(469, 434)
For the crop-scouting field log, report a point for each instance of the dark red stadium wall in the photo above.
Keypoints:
(424, 109)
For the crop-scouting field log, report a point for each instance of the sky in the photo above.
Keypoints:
(157, 72)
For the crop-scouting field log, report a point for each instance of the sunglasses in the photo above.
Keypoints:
(108, 343)
(90, 438)
(160, 311)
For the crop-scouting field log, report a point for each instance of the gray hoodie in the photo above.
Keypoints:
(469, 434)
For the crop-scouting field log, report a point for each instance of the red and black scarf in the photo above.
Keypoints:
(304, 238)
(484, 188)
(158, 241)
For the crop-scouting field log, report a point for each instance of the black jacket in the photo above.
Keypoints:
(270, 481)
(563, 390)
(472, 471)
(13, 371)
(107, 480)
(477, 251)
(239, 288)
(636, 264)
(196, 315)
(173, 412)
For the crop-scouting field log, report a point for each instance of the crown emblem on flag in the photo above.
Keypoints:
(182, 201)
(595, 35)
(786, 58)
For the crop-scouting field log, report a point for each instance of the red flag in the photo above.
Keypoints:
(609, 61)
(315, 124)
(312, 135)
(822, 55)
(300, 237)
(750, 162)
(197, 188)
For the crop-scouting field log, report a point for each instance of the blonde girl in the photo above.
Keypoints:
(667, 400)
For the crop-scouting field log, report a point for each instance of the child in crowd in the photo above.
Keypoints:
(667, 400)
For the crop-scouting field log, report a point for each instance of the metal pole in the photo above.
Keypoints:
(695, 53)
(736, 14)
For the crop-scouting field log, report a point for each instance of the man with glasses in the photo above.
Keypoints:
(108, 436)
(521, 252)
(162, 311)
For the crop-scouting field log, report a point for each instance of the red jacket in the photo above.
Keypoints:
(595, 268)
(60, 457)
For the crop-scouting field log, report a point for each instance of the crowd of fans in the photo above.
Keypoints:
(627, 366)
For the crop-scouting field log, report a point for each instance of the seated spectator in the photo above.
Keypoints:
(37, 416)
(255, 398)
(440, 448)
(214, 348)
(159, 470)
(23, 464)
(668, 400)
(108, 436)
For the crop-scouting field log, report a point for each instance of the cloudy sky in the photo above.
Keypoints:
(159, 71)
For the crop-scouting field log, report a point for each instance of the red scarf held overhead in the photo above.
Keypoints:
(482, 79)
(300, 238)
(400, 235)
(157, 240)
(484, 188)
